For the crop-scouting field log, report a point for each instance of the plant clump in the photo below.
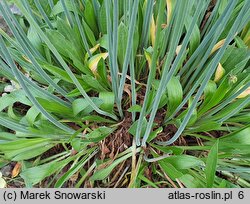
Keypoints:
(121, 93)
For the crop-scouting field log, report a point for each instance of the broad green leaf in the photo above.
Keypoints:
(7, 136)
(89, 33)
(67, 49)
(82, 105)
(99, 134)
(104, 41)
(233, 56)
(184, 161)
(24, 149)
(55, 107)
(211, 164)
(164, 98)
(223, 184)
(220, 93)
(89, 15)
(7, 122)
(148, 55)
(209, 92)
(35, 40)
(204, 126)
(193, 117)
(29, 153)
(67, 31)
(238, 137)
(58, 8)
(20, 144)
(97, 119)
(190, 181)
(58, 72)
(170, 170)
(122, 42)
(32, 114)
(93, 83)
(227, 110)
(102, 19)
(76, 144)
(13, 97)
(36, 174)
(134, 109)
(104, 172)
(195, 38)
(175, 94)
(102, 76)
(108, 99)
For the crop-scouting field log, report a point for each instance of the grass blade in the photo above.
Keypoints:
(129, 49)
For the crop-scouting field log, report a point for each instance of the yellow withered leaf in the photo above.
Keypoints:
(152, 31)
(148, 58)
(92, 51)
(220, 71)
(217, 46)
(244, 93)
(93, 61)
(26, 58)
(247, 41)
(170, 7)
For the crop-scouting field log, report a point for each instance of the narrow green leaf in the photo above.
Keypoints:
(103, 173)
(36, 174)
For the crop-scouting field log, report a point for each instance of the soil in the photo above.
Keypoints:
(118, 141)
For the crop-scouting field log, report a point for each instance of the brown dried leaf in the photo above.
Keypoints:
(16, 170)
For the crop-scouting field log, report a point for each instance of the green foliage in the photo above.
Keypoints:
(211, 164)
(144, 88)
